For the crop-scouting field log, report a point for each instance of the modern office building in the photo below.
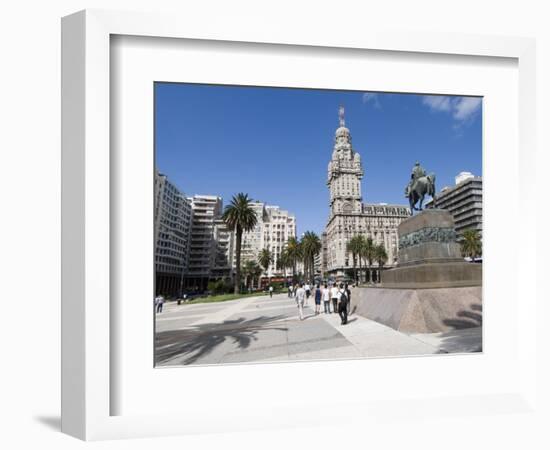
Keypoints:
(173, 218)
(349, 216)
(464, 201)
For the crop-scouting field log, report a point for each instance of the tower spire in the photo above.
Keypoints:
(341, 116)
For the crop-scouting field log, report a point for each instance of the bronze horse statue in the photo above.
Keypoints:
(422, 186)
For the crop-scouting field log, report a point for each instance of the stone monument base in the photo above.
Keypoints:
(433, 275)
(420, 310)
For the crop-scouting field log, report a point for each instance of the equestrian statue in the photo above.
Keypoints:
(419, 185)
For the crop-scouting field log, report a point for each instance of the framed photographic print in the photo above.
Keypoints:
(246, 208)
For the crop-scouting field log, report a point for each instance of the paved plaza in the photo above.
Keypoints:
(264, 329)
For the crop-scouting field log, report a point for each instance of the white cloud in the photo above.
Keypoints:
(461, 108)
(437, 102)
(466, 107)
(371, 97)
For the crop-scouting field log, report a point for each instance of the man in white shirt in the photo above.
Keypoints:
(300, 298)
(325, 295)
(159, 301)
(334, 294)
(270, 291)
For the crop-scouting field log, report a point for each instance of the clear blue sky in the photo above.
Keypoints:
(275, 144)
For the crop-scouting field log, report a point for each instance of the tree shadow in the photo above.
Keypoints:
(200, 340)
(466, 319)
(466, 334)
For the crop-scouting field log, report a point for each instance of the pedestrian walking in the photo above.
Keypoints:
(270, 291)
(300, 298)
(317, 299)
(343, 305)
(348, 294)
(326, 299)
(334, 297)
(159, 302)
(307, 287)
(290, 289)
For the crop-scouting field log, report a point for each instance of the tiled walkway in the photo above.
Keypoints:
(261, 329)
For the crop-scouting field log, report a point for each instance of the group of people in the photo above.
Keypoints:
(337, 296)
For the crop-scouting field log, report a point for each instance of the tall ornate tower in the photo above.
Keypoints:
(344, 173)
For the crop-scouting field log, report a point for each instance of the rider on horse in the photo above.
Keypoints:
(416, 172)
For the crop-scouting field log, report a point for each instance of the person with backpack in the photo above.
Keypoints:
(343, 305)
(348, 294)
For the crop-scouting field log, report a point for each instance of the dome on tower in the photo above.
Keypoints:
(342, 131)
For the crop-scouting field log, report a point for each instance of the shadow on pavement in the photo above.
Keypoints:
(466, 319)
(467, 333)
(199, 340)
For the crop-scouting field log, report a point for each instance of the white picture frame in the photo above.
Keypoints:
(87, 326)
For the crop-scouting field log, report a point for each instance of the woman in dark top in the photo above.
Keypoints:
(317, 299)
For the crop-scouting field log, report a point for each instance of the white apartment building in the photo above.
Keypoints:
(207, 210)
(273, 229)
(173, 218)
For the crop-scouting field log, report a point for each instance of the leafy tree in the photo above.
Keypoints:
(239, 217)
(470, 244)
(250, 270)
(311, 246)
(294, 252)
(265, 258)
(354, 247)
(380, 255)
(381, 258)
(367, 253)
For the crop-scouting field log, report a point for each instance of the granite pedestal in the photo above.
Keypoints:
(429, 256)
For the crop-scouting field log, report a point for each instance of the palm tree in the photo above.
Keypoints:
(311, 246)
(239, 217)
(250, 270)
(257, 273)
(265, 258)
(381, 257)
(354, 247)
(471, 244)
(294, 251)
(367, 252)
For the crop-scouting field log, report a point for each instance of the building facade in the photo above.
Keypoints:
(204, 250)
(173, 219)
(349, 216)
(464, 201)
(273, 229)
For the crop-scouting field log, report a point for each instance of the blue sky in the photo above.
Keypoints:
(275, 144)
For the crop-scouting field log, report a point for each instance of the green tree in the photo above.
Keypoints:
(367, 253)
(294, 253)
(239, 217)
(249, 270)
(265, 258)
(311, 246)
(354, 246)
(381, 257)
(470, 244)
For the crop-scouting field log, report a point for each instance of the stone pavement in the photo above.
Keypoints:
(260, 329)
